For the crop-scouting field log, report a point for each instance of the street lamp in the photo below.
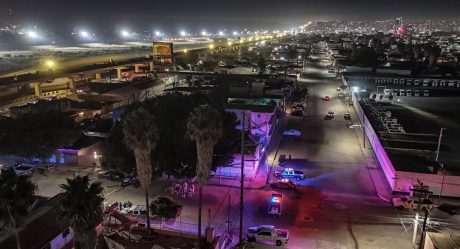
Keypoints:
(183, 33)
(32, 34)
(125, 33)
(229, 43)
(211, 46)
(84, 34)
(50, 64)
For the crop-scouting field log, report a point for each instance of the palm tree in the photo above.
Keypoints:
(81, 208)
(204, 126)
(17, 197)
(141, 135)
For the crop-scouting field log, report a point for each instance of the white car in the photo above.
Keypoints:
(295, 133)
(406, 202)
(268, 233)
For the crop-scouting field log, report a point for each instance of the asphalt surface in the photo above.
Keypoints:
(335, 206)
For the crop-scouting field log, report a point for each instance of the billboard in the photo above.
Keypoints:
(162, 49)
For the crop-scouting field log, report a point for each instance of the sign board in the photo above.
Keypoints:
(162, 49)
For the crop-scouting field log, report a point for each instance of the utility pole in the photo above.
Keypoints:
(422, 190)
(439, 143)
(364, 130)
(228, 216)
(414, 237)
(422, 236)
(242, 179)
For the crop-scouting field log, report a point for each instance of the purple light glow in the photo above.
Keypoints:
(67, 150)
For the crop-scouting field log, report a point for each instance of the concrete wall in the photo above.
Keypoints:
(251, 164)
(256, 119)
(379, 151)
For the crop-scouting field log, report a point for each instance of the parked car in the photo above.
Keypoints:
(283, 183)
(295, 133)
(327, 98)
(131, 180)
(134, 210)
(407, 202)
(47, 167)
(330, 115)
(111, 174)
(289, 173)
(24, 170)
(449, 208)
(268, 233)
(347, 116)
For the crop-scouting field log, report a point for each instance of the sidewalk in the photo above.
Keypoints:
(375, 171)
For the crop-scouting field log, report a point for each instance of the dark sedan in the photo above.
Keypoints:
(283, 183)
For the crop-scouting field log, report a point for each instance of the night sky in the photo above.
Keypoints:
(198, 14)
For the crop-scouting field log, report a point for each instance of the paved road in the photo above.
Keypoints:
(336, 206)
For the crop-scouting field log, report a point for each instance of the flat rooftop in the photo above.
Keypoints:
(422, 118)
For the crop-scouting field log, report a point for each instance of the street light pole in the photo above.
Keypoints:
(242, 179)
(364, 130)
(439, 143)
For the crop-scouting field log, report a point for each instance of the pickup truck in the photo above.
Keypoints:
(290, 173)
(268, 233)
(405, 202)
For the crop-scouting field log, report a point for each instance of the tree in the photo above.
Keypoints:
(17, 197)
(204, 126)
(262, 64)
(431, 51)
(81, 208)
(173, 155)
(141, 135)
(37, 135)
(164, 208)
(366, 56)
(116, 154)
(292, 54)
